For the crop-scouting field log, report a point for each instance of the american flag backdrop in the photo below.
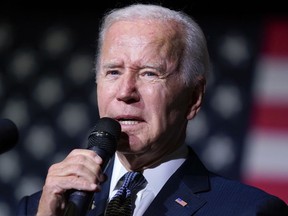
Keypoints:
(266, 151)
(47, 88)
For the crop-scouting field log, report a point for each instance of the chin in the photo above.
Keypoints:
(130, 144)
(130, 148)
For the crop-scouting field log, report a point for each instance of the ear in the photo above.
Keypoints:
(197, 97)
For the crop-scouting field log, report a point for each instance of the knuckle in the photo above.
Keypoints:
(79, 167)
(80, 159)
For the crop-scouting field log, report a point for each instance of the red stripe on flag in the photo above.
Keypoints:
(276, 34)
(265, 161)
(270, 117)
(275, 187)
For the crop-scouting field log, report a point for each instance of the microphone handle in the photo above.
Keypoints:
(103, 141)
(80, 201)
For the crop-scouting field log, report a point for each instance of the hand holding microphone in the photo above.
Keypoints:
(103, 141)
(79, 175)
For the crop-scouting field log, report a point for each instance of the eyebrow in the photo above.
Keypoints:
(157, 67)
(113, 65)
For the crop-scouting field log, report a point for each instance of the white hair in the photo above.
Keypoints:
(194, 64)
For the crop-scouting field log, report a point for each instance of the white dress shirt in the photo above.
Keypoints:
(156, 178)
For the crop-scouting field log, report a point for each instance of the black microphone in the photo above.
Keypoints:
(9, 135)
(102, 140)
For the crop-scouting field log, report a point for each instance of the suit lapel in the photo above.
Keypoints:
(189, 179)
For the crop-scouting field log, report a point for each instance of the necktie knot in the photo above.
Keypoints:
(133, 180)
(121, 203)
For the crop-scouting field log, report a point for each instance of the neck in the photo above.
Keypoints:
(141, 162)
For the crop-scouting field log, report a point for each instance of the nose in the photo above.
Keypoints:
(128, 90)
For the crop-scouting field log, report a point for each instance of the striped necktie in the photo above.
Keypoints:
(121, 203)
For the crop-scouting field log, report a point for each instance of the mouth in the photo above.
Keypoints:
(129, 120)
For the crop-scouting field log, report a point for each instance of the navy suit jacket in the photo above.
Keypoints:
(204, 192)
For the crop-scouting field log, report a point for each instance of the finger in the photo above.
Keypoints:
(78, 165)
(85, 152)
(81, 155)
(78, 170)
(59, 185)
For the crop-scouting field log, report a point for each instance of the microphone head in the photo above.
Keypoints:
(9, 135)
(104, 135)
(108, 125)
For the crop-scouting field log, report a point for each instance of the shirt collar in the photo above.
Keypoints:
(161, 172)
(158, 176)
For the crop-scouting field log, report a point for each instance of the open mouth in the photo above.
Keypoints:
(128, 121)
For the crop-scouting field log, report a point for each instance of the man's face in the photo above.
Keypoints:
(138, 84)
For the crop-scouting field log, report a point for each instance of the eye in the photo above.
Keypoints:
(149, 74)
(112, 73)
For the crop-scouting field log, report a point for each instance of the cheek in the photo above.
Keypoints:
(154, 97)
(103, 95)
(170, 105)
(156, 100)
(100, 104)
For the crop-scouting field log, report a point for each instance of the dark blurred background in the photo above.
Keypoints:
(47, 88)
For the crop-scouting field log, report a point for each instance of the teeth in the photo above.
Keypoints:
(129, 122)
